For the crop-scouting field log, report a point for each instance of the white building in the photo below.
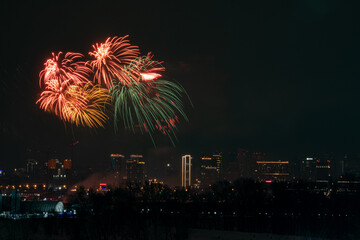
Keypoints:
(186, 171)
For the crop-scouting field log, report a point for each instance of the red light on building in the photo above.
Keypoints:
(52, 164)
(102, 186)
(67, 164)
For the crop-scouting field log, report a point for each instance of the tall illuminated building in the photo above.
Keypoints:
(118, 165)
(208, 171)
(67, 164)
(268, 171)
(51, 164)
(135, 169)
(218, 158)
(323, 170)
(186, 170)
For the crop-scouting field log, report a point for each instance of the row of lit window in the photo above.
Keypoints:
(26, 186)
(322, 166)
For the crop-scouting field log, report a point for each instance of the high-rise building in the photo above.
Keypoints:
(308, 169)
(217, 158)
(118, 165)
(208, 172)
(323, 170)
(186, 170)
(52, 163)
(67, 164)
(268, 171)
(253, 165)
(135, 169)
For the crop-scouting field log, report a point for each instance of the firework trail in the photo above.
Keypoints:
(110, 59)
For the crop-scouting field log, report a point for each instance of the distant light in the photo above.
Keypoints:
(166, 165)
(309, 159)
(268, 181)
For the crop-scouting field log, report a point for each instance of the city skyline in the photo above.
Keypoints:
(203, 170)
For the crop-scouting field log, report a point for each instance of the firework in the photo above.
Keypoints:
(110, 59)
(66, 68)
(86, 107)
(53, 98)
(151, 106)
(140, 99)
(80, 105)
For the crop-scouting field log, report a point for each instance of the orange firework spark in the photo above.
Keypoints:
(53, 98)
(110, 59)
(66, 68)
(90, 101)
(81, 105)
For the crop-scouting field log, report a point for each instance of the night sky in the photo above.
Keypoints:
(272, 76)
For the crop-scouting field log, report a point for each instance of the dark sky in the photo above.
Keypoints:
(274, 76)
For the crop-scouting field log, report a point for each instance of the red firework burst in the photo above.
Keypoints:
(111, 58)
(65, 69)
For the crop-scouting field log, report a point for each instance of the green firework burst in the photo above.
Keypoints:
(151, 106)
